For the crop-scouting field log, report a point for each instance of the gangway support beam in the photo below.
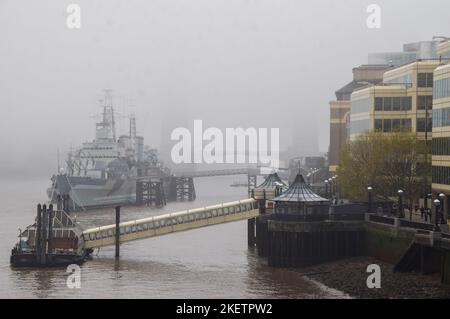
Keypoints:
(150, 192)
(251, 182)
(251, 232)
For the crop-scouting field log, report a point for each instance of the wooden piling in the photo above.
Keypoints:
(38, 233)
(251, 232)
(262, 234)
(50, 235)
(117, 235)
(262, 207)
(301, 244)
(44, 221)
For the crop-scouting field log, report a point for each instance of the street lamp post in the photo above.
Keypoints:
(400, 203)
(369, 194)
(338, 195)
(442, 207)
(331, 187)
(436, 203)
(326, 188)
(333, 179)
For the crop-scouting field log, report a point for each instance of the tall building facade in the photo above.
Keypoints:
(404, 99)
(441, 129)
(340, 108)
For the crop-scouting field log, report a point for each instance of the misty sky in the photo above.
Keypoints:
(231, 63)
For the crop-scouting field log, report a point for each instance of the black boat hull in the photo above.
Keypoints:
(57, 260)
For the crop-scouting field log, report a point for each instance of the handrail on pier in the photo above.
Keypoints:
(173, 222)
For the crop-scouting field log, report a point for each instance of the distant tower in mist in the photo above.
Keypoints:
(172, 118)
(304, 137)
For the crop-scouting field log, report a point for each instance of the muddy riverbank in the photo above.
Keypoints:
(350, 276)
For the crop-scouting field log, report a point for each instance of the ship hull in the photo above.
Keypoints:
(57, 260)
(89, 193)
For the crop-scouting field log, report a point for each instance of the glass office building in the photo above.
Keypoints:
(441, 129)
(404, 99)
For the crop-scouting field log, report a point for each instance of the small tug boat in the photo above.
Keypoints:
(54, 240)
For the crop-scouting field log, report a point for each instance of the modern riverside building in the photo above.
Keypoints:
(441, 130)
(404, 99)
(411, 52)
(443, 49)
(340, 108)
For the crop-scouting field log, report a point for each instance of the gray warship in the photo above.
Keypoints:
(103, 172)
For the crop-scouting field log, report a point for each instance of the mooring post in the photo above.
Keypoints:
(44, 221)
(38, 233)
(262, 204)
(50, 234)
(117, 231)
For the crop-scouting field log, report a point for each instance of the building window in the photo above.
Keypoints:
(441, 88)
(406, 103)
(390, 125)
(360, 106)
(396, 104)
(406, 79)
(425, 80)
(441, 117)
(379, 125)
(396, 124)
(387, 125)
(421, 125)
(378, 104)
(425, 102)
(441, 146)
(441, 175)
(406, 123)
(359, 126)
(388, 104)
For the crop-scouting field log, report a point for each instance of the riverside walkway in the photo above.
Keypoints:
(169, 223)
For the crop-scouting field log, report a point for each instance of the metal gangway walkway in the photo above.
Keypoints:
(220, 172)
(170, 223)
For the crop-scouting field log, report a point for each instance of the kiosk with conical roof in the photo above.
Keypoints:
(272, 187)
(273, 181)
(299, 202)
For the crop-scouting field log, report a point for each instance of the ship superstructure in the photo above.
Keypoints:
(103, 172)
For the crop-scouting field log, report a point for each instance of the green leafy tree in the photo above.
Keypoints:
(386, 162)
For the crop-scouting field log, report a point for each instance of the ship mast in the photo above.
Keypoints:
(106, 130)
(133, 127)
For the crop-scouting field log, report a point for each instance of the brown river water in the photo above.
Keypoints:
(212, 262)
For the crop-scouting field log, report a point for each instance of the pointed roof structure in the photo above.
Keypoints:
(300, 192)
(270, 188)
(272, 181)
